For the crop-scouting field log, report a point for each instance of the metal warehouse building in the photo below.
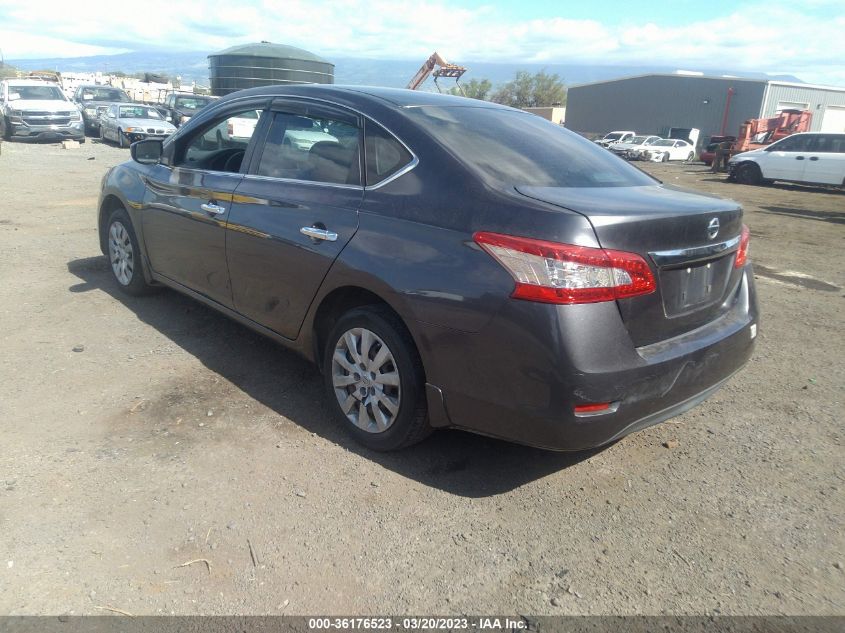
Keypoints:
(651, 104)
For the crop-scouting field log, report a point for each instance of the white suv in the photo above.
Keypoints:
(809, 157)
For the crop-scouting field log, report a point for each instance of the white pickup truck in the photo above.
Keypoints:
(617, 136)
(36, 109)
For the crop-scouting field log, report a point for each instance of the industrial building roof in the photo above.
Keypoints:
(275, 51)
(695, 75)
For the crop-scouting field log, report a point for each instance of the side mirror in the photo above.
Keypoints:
(147, 152)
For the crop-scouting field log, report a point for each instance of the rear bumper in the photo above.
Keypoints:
(522, 377)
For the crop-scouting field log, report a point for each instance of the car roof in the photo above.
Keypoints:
(30, 82)
(397, 97)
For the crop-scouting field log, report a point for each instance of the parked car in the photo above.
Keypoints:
(474, 267)
(615, 137)
(809, 157)
(665, 150)
(92, 101)
(38, 110)
(180, 107)
(708, 154)
(126, 123)
(631, 148)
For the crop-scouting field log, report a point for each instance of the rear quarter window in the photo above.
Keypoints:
(385, 154)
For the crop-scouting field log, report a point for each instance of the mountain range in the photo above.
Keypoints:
(193, 66)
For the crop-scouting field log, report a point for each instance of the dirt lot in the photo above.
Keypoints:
(139, 435)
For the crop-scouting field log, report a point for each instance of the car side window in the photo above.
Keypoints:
(311, 148)
(221, 144)
(829, 144)
(385, 154)
(791, 144)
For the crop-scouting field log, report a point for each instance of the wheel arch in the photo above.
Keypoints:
(339, 301)
(109, 205)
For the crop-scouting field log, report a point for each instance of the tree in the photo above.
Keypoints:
(474, 89)
(532, 91)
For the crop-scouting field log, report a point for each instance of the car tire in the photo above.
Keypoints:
(691, 157)
(124, 255)
(5, 129)
(121, 138)
(665, 158)
(102, 135)
(749, 174)
(378, 393)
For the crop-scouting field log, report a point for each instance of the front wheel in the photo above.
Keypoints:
(125, 255)
(749, 174)
(121, 139)
(374, 378)
(665, 158)
(5, 128)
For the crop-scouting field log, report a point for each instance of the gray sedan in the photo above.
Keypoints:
(126, 123)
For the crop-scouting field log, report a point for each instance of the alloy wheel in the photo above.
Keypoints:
(121, 254)
(366, 381)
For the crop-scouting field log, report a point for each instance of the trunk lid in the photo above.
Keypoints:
(672, 230)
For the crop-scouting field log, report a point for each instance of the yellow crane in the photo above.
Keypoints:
(439, 67)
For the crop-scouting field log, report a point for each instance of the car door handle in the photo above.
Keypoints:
(213, 209)
(814, 157)
(799, 158)
(318, 234)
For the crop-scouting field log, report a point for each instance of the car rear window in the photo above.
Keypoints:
(517, 148)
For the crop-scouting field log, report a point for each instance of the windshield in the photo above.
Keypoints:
(103, 94)
(613, 136)
(514, 148)
(638, 140)
(51, 93)
(138, 112)
(192, 103)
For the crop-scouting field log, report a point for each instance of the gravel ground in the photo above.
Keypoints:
(158, 458)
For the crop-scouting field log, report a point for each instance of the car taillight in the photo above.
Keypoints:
(742, 253)
(550, 272)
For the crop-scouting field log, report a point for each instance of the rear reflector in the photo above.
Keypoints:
(550, 272)
(742, 253)
(592, 408)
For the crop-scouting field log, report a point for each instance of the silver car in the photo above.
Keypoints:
(126, 123)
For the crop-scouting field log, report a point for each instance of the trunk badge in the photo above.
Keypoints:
(713, 228)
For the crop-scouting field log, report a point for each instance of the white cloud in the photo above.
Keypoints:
(767, 37)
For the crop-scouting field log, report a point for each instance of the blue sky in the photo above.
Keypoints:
(805, 38)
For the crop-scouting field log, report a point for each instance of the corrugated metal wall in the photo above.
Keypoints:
(654, 103)
(815, 99)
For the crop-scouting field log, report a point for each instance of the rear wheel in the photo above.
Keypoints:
(749, 174)
(375, 379)
(125, 255)
(690, 157)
